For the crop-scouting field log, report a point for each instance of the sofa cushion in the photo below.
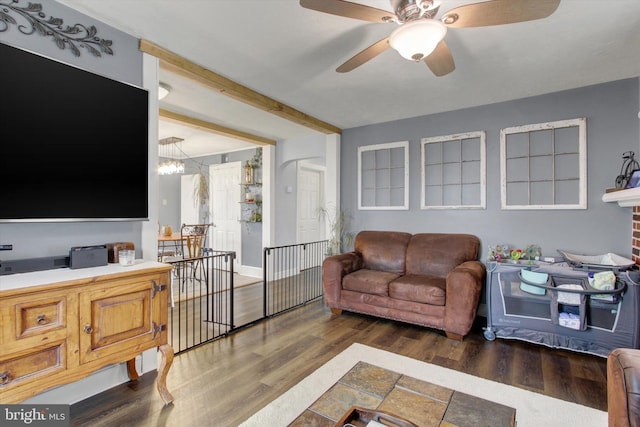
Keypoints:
(383, 250)
(419, 288)
(369, 281)
(436, 254)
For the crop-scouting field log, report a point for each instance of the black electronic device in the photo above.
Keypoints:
(88, 256)
(73, 145)
(33, 264)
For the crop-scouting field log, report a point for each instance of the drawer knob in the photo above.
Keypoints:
(41, 319)
(88, 329)
(4, 378)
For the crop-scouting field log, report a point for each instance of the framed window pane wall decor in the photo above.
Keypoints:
(544, 165)
(383, 176)
(453, 171)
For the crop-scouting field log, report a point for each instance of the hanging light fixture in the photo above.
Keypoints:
(415, 40)
(167, 150)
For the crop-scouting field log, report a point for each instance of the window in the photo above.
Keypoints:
(544, 166)
(453, 171)
(383, 176)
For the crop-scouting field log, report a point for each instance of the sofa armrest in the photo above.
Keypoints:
(623, 389)
(464, 286)
(334, 268)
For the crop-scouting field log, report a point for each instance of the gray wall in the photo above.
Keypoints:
(611, 110)
(48, 239)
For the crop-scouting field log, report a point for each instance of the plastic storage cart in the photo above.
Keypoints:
(611, 318)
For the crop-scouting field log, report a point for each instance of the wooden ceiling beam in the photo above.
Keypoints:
(206, 126)
(176, 64)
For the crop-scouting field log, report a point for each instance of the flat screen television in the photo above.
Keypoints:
(73, 144)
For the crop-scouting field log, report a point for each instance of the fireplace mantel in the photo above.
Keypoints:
(625, 198)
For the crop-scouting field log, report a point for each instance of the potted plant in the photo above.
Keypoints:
(339, 237)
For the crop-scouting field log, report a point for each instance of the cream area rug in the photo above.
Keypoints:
(532, 409)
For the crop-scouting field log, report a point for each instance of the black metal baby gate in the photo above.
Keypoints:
(201, 299)
(206, 304)
(292, 276)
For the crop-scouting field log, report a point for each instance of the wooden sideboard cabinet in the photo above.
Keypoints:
(59, 326)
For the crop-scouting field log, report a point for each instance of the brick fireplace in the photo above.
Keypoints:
(629, 198)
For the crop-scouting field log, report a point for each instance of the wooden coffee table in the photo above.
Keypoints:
(421, 403)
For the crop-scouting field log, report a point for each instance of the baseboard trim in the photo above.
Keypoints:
(247, 270)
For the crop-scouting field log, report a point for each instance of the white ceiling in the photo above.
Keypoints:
(290, 54)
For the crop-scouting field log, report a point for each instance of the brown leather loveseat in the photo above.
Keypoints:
(427, 279)
(623, 387)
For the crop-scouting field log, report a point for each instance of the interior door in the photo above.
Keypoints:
(225, 193)
(310, 199)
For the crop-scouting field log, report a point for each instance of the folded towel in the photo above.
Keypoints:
(569, 298)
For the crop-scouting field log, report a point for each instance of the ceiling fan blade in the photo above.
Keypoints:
(364, 56)
(440, 62)
(499, 12)
(349, 10)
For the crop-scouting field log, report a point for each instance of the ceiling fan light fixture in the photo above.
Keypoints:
(416, 40)
(426, 5)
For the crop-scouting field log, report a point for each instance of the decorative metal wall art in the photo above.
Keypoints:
(629, 164)
(31, 20)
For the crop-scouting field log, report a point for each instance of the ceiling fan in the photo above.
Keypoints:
(420, 36)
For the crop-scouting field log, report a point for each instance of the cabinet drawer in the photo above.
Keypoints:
(33, 319)
(33, 364)
(38, 317)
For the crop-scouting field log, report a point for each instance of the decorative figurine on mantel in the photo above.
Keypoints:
(629, 164)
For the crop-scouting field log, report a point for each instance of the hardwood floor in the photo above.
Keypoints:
(224, 382)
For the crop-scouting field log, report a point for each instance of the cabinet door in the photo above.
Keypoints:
(127, 315)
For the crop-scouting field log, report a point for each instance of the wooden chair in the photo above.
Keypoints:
(192, 242)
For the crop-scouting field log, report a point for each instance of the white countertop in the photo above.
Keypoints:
(45, 277)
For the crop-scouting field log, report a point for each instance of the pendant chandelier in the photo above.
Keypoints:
(168, 149)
